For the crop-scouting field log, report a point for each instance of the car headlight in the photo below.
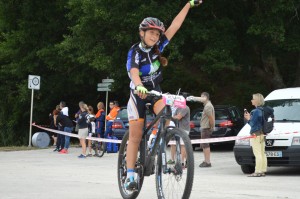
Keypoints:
(296, 141)
(245, 142)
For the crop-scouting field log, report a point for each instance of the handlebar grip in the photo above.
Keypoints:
(151, 93)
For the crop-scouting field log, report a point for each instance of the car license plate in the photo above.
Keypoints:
(274, 154)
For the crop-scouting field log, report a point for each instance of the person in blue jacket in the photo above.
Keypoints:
(255, 120)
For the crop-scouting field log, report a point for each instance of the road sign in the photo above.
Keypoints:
(103, 85)
(108, 80)
(103, 89)
(34, 82)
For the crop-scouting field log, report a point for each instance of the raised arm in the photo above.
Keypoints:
(195, 99)
(178, 20)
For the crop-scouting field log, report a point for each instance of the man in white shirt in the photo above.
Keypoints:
(64, 109)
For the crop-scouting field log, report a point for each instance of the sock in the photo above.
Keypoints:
(130, 173)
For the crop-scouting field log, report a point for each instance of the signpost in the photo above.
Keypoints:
(34, 83)
(105, 87)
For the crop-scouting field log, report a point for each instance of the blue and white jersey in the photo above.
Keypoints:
(147, 62)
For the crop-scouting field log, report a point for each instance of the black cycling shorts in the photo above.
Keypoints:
(136, 106)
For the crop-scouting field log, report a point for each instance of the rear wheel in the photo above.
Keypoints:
(99, 148)
(177, 180)
(122, 171)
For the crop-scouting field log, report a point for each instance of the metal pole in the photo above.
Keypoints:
(106, 109)
(30, 125)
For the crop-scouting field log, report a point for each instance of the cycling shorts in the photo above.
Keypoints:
(136, 107)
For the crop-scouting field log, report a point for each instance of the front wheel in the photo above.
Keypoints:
(122, 171)
(176, 179)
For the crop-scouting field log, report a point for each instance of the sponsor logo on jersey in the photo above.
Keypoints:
(154, 56)
(137, 58)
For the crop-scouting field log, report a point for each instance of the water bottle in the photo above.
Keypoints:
(151, 140)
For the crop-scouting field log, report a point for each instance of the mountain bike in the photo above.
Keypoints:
(172, 180)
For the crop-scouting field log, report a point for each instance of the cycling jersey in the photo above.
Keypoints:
(147, 62)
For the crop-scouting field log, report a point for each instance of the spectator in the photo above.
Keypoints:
(52, 126)
(100, 120)
(64, 108)
(77, 115)
(91, 128)
(83, 129)
(60, 144)
(183, 117)
(114, 109)
(255, 120)
(100, 123)
(65, 111)
(67, 124)
(207, 124)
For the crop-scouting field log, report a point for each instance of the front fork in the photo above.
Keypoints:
(162, 150)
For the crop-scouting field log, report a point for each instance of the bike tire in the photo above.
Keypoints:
(179, 183)
(122, 171)
(99, 148)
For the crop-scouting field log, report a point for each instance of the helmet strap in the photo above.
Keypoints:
(144, 47)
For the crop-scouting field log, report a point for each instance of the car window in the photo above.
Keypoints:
(233, 114)
(123, 114)
(286, 109)
(221, 115)
(197, 115)
(238, 113)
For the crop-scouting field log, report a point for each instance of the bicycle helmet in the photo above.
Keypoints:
(152, 23)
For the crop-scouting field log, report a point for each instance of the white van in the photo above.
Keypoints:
(283, 143)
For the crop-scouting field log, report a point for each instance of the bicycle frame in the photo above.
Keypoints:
(159, 143)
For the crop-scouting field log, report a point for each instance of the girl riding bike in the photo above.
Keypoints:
(144, 66)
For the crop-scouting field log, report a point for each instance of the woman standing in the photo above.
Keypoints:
(255, 120)
(83, 128)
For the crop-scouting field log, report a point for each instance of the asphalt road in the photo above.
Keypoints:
(44, 174)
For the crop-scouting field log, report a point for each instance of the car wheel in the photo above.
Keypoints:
(247, 169)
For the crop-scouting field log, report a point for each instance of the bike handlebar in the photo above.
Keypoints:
(159, 94)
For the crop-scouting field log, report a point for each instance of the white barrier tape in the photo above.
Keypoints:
(197, 141)
(214, 140)
(76, 136)
(231, 138)
(221, 139)
(286, 133)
